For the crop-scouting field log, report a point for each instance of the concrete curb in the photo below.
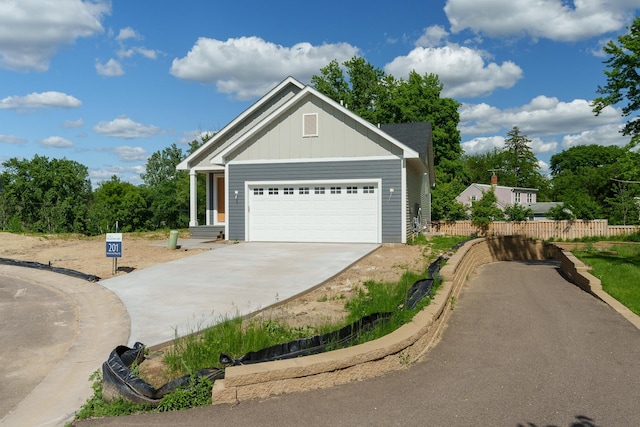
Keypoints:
(410, 342)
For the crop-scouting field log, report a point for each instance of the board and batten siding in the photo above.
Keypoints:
(389, 171)
(339, 136)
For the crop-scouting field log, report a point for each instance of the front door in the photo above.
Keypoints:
(220, 205)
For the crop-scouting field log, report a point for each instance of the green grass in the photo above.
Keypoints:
(618, 268)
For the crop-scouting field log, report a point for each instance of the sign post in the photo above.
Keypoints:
(114, 249)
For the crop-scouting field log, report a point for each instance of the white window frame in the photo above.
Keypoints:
(306, 134)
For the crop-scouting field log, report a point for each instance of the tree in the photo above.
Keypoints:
(560, 213)
(581, 177)
(518, 212)
(485, 211)
(119, 201)
(623, 80)
(624, 208)
(520, 160)
(45, 195)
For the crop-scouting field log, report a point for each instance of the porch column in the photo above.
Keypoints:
(209, 202)
(193, 198)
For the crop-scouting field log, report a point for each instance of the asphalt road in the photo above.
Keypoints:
(37, 324)
(523, 347)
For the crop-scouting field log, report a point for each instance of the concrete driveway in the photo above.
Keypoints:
(234, 279)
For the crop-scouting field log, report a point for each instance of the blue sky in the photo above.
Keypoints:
(108, 83)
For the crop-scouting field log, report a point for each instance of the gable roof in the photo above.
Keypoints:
(218, 155)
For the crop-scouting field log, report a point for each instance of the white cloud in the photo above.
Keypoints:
(482, 144)
(49, 99)
(542, 116)
(32, 31)
(128, 33)
(432, 36)
(11, 139)
(56, 142)
(124, 127)
(560, 20)
(111, 69)
(125, 173)
(462, 70)
(129, 154)
(73, 123)
(602, 135)
(249, 66)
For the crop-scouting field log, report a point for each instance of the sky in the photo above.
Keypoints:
(108, 83)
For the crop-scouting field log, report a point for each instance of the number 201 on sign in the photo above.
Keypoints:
(114, 245)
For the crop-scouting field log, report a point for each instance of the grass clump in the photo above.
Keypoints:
(619, 271)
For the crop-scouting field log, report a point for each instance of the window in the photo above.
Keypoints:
(319, 190)
(367, 189)
(352, 190)
(273, 191)
(336, 190)
(309, 125)
(529, 198)
(473, 198)
(258, 191)
(303, 190)
(517, 197)
(288, 191)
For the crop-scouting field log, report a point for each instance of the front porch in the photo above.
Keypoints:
(215, 218)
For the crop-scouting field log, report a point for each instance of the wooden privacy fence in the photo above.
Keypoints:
(572, 229)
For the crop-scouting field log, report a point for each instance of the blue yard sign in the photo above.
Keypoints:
(114, 245)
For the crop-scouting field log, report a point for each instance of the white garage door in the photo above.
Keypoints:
(314, 213)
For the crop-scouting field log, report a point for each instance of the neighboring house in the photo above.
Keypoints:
(297, 166)
(507, 196)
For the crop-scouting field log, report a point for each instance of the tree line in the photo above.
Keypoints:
(55, 196)
(593, 181)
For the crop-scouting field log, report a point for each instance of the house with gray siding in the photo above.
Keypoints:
(297, 166)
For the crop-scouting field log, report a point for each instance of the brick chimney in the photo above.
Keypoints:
(494, 179)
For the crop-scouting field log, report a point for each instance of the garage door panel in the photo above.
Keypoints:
(314, 213)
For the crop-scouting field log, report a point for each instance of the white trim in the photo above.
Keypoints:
(304, 125)
(214, 168)
(208, 210)
(227, 201)
(403, 199)
(249, 184)
(193, 199)
(311, 160)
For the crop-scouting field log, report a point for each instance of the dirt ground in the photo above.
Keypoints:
(321, 305)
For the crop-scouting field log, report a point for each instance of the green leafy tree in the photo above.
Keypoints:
(624, 208)
(119, 201)
(46, 195)
(581, 178)
(560, 213)
(518, 212)
(485, 211)
(623, 80)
